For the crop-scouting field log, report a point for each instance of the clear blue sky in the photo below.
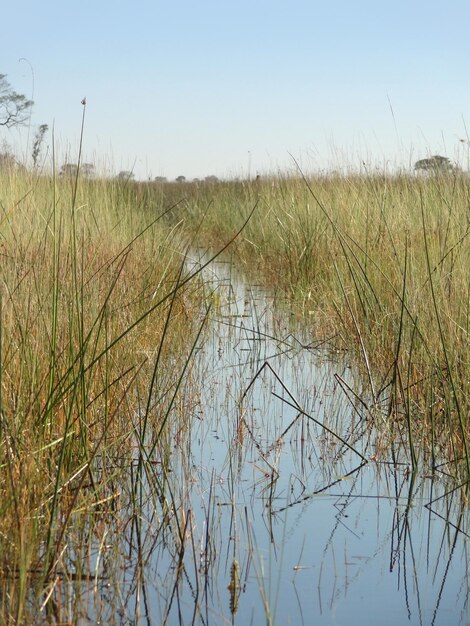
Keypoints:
(216, 87)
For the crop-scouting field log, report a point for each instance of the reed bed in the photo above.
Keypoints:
(381, 265)
(98, 318)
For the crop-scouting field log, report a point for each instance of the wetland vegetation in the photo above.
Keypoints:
(237, 402)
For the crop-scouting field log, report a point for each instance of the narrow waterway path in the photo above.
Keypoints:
(286, 494)
(285, 513)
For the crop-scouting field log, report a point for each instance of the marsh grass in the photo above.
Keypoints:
(98, 321)
(381, 264)
(100, 318)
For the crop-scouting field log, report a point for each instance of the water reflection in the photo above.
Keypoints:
(276, 506)
(280, 487)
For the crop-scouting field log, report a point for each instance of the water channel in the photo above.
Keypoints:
(287, 513)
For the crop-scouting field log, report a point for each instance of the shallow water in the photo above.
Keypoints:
(277, 477)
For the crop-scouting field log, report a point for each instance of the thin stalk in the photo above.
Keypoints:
(408, 403)
(359, 335)
(56, 255)
(396, 379)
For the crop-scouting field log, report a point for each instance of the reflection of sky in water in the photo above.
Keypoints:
(325, 540)
(326, 547)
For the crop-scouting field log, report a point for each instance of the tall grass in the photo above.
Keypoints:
(381, 264)
(98, 318)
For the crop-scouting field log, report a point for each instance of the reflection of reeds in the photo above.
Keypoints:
(234, 586)
(381, 264)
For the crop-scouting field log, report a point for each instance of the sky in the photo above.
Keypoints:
(234, 89)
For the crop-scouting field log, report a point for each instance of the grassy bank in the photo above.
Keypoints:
(381, 264)
(97, 322)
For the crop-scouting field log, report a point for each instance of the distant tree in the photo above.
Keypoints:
(160, 179)
(435, 163)
(180, 179)
(69, 169)
(211, 179)
(38, 141)
(125, 175)
(14, 107)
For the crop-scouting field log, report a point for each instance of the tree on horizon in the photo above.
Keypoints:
(15, 108)
(436, 163)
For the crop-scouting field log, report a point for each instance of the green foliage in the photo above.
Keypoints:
(125, 175)
(435, 163)
(15, 108)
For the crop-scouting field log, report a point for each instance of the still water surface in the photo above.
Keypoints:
(290, 510)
